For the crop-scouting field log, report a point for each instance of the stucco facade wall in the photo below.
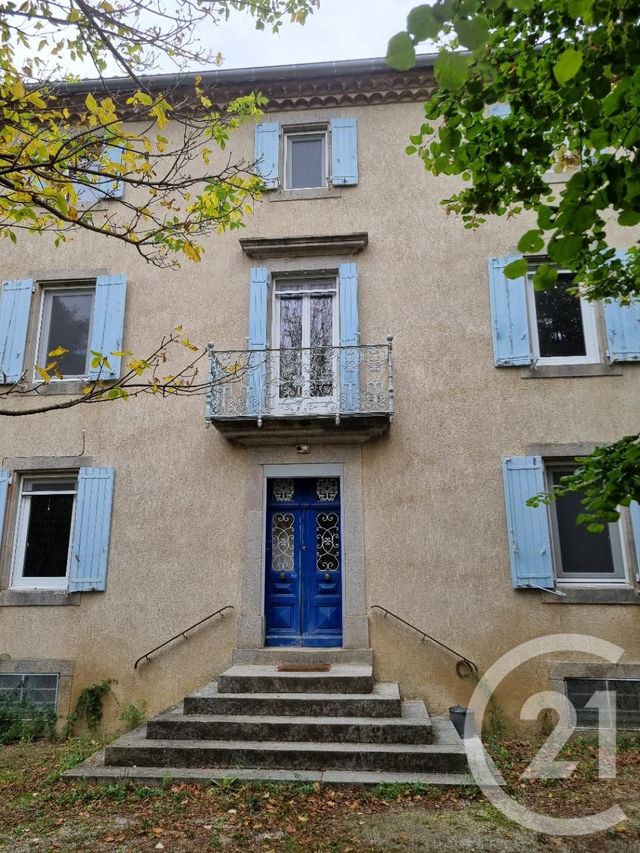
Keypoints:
(435, 537)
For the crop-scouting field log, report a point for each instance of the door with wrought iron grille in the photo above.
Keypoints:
(303, 583)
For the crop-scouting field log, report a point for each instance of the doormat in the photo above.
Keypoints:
(304, 667)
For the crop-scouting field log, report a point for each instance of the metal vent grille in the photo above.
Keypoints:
(623, 695)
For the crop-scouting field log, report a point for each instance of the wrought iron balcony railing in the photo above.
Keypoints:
(301, 383)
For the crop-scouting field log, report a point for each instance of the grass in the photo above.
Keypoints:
(39, 812)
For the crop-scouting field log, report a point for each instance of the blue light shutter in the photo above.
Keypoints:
(15, 305)
(500, 110)
(509, 316)
(5, 479)
(107, 324)
(528, 527)
(108, 186)
(344, 151)
(258, 298)
(267, 153)
(349, 337)
(622, 323)
(91, 528)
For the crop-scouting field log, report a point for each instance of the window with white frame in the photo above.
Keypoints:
(65, 322)
(46, 507)
(581, 557)
(563, 324)
(306, 158)
(305, 332)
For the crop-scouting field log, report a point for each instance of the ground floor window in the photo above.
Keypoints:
(43, 532)
(622, 695)
(581, 556)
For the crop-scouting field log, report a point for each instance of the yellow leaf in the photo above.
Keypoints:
(44, 374)
(58, 351)
(92, 104)
(17, 90)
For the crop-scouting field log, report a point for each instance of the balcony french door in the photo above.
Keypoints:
(305, 333)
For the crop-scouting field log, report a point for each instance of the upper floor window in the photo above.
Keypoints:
(80, 316)
(557, 326)
(563, 325)
(305, 159)
(305, 331)
(65, 322)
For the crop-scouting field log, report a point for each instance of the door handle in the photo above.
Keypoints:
(327, 576)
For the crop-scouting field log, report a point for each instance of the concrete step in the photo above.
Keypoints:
(341, 678)
(275, 656)
(413, 726)
(382, 701)
(445, 755)
(94, 770)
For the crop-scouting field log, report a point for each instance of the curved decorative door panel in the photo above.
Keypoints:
(303, 589)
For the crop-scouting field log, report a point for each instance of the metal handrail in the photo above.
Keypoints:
(463, 662)
(182, 634)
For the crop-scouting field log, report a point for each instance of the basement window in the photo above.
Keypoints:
(623, 696)
(33, 690)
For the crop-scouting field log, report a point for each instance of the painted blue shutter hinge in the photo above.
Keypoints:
(344, 152)
(267, 153)
(15, 307)
(257, 368)
(91, 530)
(349, 395)
(509, 315)
(622, 323)
(107, 325)
(528, 527)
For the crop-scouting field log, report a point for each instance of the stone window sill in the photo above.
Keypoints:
(304, 195)
(72, 387)
(563, 371)
(38, 598)
(594, 595)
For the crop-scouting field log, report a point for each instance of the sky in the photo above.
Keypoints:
(340, 29)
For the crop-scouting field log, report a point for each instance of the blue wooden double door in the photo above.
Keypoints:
(303, 584)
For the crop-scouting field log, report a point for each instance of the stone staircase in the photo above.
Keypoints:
(259, 723)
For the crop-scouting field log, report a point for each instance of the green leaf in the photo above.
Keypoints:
(451, 70)
(580, 9)
(473, 33)
(516, 269)
(544, 277)
(401, 53)
(565, 250)
(422, 24)
(567, 66)
(531, 241)
(629, 217)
